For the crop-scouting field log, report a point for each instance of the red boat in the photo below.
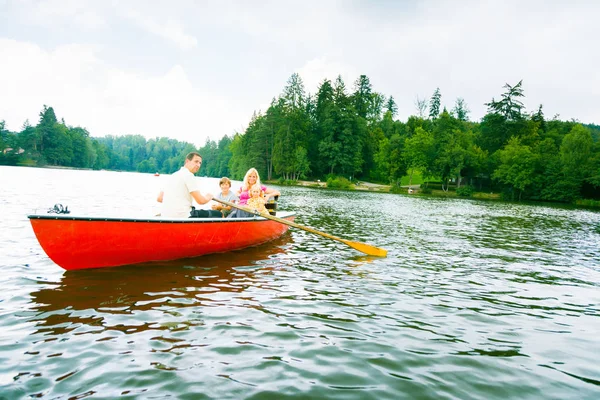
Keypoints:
(84, 242)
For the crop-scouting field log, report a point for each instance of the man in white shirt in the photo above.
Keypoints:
(180, 188)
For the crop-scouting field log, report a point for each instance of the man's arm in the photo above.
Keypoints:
(160, 197)
(200, 199)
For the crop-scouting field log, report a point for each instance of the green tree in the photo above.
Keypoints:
(294, 131)
(549, 182)
(391, 107)
(3, 136)
(223, 156)
(461, 157)
(265, 135)
(460, 110)
(301, 165)
(576, 154)
(82, 151)
(418, 151)
(494, 132)
(435, 103)
(330, 152)
(349, 131)
(209, 158)
(28, 138)
(102, 158)
(393, 151)
(56, 143)
(381, 139)
(388, 126)
(340, 147)
(517, 166)
(444, 163)
(46, 128)
(538, 117)
(367, 106)
(324, 131)
(510, 106)
(362, 97)
(148, 165)
(237, 162)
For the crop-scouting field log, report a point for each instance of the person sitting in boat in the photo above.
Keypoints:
(180, 188)
(227, 195)
(250, 179)
(257, 200)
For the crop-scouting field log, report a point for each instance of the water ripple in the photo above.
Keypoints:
(476, 300)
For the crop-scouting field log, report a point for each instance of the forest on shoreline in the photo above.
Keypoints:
(338, 134)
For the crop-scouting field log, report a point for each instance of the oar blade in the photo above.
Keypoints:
(367, 248)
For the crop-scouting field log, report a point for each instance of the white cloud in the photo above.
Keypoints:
(57, 13)
(89, 92)
(170, 29)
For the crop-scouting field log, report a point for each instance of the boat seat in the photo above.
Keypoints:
(271, 205)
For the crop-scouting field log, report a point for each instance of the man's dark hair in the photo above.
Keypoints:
(191, 156)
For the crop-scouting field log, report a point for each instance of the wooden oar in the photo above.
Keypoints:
(362, 247)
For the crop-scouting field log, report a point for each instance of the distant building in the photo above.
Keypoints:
(11, 150)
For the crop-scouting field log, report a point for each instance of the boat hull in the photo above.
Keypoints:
(81, 243)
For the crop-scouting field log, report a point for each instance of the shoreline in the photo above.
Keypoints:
(415, 190)
(363, 186)
(409, 190)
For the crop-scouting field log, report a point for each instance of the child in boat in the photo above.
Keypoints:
(250, 179)
(257, 200)
(227, 195)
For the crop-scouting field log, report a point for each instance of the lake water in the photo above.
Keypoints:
(476, 300)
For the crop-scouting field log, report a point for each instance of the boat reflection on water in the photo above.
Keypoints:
(194, 282)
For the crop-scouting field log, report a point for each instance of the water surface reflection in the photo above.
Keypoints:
(164, 286)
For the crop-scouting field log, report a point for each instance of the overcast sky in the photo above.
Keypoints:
(191, 69)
